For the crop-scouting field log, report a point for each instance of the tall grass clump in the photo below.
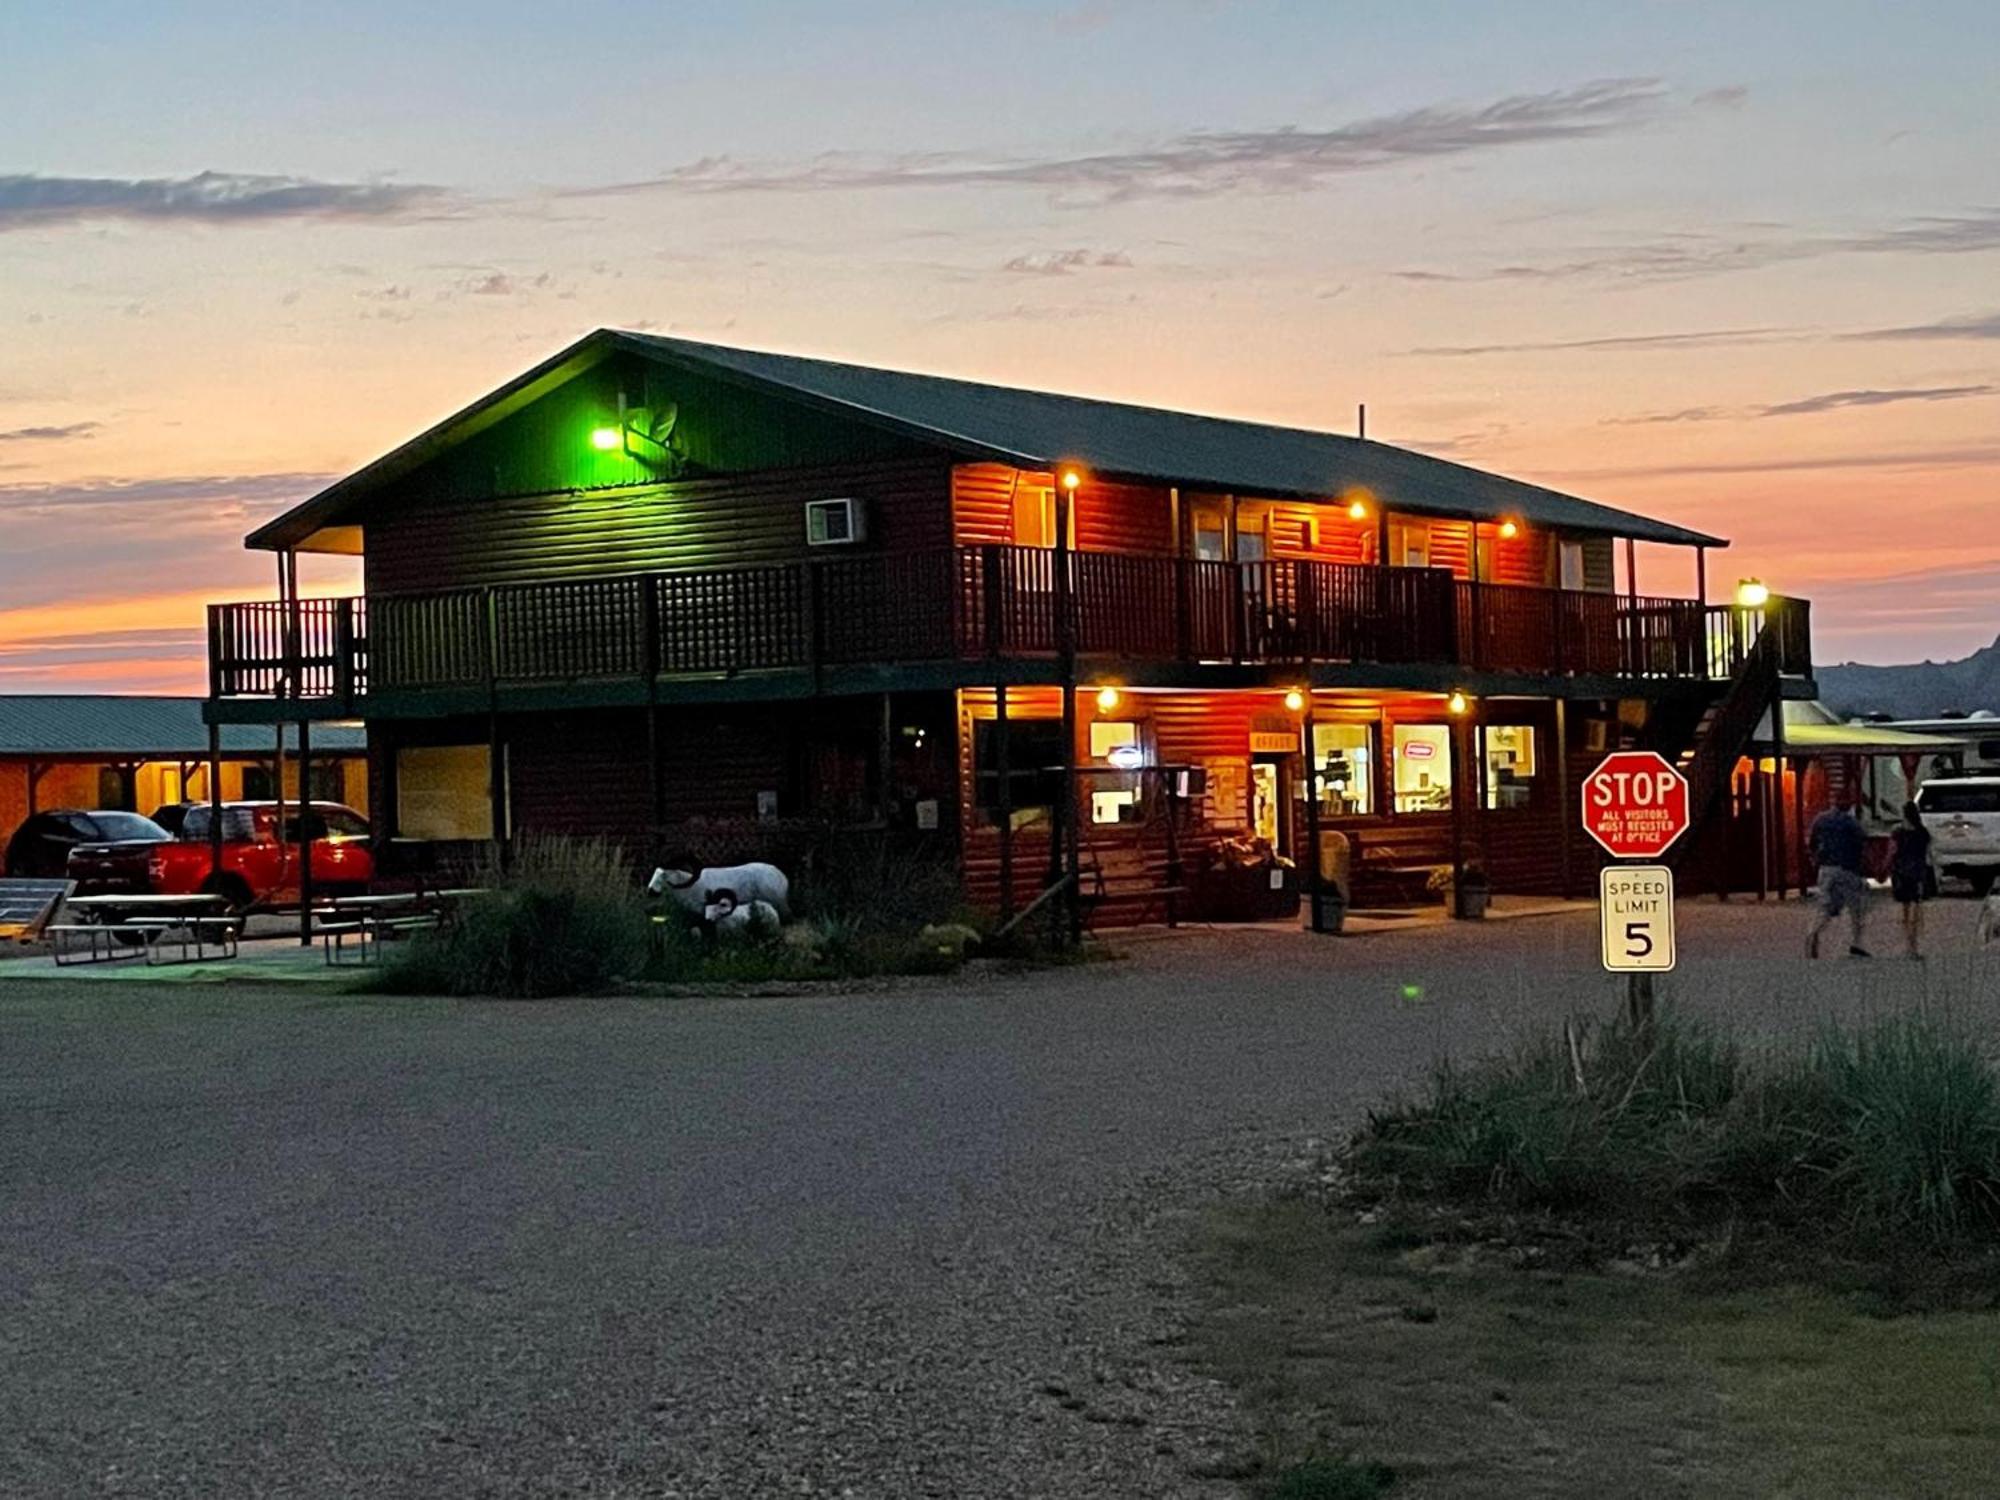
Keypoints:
(1571, 1119)
(1890, 1129)
(562, 917)
(1913, 1108)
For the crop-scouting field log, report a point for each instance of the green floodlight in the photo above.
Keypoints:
(604, 439)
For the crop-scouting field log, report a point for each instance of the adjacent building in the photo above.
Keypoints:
(100, 750)
(687, 596)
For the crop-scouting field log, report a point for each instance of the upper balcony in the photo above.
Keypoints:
(965, 615)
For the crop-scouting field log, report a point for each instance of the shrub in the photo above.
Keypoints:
(562, 918)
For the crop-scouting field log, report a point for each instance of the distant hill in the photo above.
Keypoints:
(1922, 690)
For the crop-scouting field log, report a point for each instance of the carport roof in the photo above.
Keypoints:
(132, 726)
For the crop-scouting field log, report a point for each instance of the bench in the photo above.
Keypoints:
(147, 937)
(335, 925)
(1397, 862)
(1123, 876)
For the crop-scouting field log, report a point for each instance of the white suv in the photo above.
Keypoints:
(1963, 815)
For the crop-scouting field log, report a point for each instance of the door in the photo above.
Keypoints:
(1270, 787)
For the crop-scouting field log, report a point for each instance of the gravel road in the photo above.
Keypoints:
(921, 1242)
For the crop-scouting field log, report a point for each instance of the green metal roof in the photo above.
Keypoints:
(92, 724)
(1037, 429)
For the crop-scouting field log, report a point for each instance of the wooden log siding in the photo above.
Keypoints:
(718, 522)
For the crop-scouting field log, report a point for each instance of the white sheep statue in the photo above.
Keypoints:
(747, 885)
(730, 918)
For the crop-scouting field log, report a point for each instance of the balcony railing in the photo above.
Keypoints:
(970, 603)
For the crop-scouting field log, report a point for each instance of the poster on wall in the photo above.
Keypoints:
(1227, 793)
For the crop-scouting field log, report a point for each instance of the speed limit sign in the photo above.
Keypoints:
(1635, 905)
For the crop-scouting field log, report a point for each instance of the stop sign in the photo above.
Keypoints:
(1635, 804)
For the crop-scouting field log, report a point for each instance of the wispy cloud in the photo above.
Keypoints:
(50, 434)
(1201, 164)
(29, 201)
(1836, 400)
(1063, 262)
(1682, 256)
(1973, 456)
(236, 492)
(1807, 405)
(1707, 338)
(1967, 326)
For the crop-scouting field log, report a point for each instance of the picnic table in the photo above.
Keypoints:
(371, 918)
(141, 923)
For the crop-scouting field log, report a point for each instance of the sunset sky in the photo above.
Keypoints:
(1734, 265)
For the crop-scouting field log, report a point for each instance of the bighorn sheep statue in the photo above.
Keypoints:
(747, 884)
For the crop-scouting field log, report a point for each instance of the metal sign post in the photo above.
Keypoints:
(1635, 804)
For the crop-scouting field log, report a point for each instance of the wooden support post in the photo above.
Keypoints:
(1455, 755)
(305, 834)
(1315, 917)
(1065, 849)
(1003, 761)
(1701, 574)
(1799, 819)
(1631, 568)
(215, 799)
(35, 772)
(885, 762)
(1777, 798)
(1564, 811)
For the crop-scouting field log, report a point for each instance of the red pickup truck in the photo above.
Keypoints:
(260, 858)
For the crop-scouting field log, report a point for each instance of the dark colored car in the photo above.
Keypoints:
(172, 816)
(40, 848)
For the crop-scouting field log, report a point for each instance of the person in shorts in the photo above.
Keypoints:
(1838, 843)
(1910, 876)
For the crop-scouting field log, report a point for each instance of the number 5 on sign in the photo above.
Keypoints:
(1635, 907)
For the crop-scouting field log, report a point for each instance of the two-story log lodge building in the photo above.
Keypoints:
(687, 596)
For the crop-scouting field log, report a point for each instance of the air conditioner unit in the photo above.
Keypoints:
(835, 523)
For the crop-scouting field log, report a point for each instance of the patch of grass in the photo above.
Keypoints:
(1581, 1384)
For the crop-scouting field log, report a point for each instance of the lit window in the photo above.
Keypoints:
(1422, 757)
(1510, 764)
(1110, 736)
(1345, 757)
(1114, 807)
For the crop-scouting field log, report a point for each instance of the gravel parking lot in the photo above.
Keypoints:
(920, 1241)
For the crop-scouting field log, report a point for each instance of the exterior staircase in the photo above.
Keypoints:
(1724, 733)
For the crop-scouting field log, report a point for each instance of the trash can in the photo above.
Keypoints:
(1326, 907)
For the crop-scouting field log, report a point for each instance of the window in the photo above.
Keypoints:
(1034, 763)
(1410, 544)
(1959, 797)
(1210, 544)
(444, 792)
(238, 824)
(1509, 750)
(111, 788)
(1570, 561)
(1345, 757)
(1422, 757)
(1034, 517)
(256, 783)
(1115, 743)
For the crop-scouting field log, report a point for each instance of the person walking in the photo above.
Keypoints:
(1910, 876)
(1838, 843)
